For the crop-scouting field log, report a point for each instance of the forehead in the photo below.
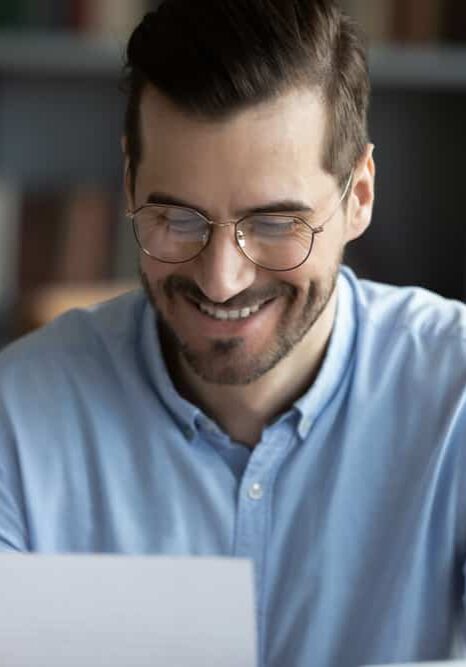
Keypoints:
(273, 145)
(298, 114)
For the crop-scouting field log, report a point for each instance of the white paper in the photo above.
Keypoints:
(121, 611)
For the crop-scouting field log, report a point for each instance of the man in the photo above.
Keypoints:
(255, 399)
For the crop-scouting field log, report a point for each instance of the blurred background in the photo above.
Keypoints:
(64, 239)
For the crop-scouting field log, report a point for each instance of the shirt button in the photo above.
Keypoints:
(256, 491)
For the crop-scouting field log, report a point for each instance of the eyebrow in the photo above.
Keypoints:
(282, 206)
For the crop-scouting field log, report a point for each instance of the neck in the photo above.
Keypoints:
(258, 403)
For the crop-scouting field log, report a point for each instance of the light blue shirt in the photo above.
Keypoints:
(352, 506)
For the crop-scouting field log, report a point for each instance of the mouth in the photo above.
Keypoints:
(223, 314)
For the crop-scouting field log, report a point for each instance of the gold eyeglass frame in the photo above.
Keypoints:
(211, 223)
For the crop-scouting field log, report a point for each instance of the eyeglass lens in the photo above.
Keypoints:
(173, 234)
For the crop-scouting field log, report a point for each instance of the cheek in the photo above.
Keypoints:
(302, 278)
(156, 273)
(318, 271)
(154, 270)
(152, 274)
(327, 253)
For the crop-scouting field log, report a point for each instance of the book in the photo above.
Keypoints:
(417, 21)
(66, 239)
(38, 238)
(10, 205)
(454, 21)
(114, 18)
(374, 16)
(65, 236)
(85, 236)
(48, 14)
(13, 13)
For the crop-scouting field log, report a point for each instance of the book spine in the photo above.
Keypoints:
(86, 242)
(417, 21)
(454, 21)
(375, 17)
(10, 214)
(38, 240)
(13, 13)
(78, 15)
(116, 18)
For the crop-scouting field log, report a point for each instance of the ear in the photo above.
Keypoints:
(361, 199)
(126, 175)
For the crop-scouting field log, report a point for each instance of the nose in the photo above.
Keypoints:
(222, 269)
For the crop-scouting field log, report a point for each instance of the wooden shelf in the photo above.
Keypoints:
(26, 52)
(428, 67)
(46, 303)
(70, 54)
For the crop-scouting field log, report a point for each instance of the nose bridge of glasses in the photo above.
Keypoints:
(222, 223)
(237, 238)
(222, 239)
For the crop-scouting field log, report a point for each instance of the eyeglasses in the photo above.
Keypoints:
(272, 241)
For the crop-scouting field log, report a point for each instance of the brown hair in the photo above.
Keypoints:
(215, 57)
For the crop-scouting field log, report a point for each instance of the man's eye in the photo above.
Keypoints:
(179, 222)
(185, 225)
(273, 227)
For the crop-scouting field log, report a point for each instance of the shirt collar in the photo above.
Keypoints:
(337, 357)
(308, 406)
(184, 412)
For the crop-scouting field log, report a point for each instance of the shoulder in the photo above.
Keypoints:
(408, 312)
(409, 340)
(95, 333)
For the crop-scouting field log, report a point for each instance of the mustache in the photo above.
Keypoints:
(179, 285)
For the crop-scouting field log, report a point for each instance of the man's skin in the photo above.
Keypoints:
(243, 373)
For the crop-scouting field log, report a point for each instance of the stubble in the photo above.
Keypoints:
(227, 361)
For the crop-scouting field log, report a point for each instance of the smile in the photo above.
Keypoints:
(221, 314)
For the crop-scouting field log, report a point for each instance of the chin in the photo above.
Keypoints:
(227, 363)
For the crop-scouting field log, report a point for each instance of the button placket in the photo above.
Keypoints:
(254, 505)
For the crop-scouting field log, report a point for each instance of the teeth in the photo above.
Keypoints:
(220, 314)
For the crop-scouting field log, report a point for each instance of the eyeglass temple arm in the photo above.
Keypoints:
(320, 228)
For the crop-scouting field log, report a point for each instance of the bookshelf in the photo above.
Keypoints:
(67, 53)
(426, 67)
(61, 117)
(39, 54)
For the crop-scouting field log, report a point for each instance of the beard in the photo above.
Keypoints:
(227, 361)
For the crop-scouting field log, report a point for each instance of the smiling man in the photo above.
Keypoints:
(255, 398)
(230, 223)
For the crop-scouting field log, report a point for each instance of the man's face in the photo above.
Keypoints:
(259, 158)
